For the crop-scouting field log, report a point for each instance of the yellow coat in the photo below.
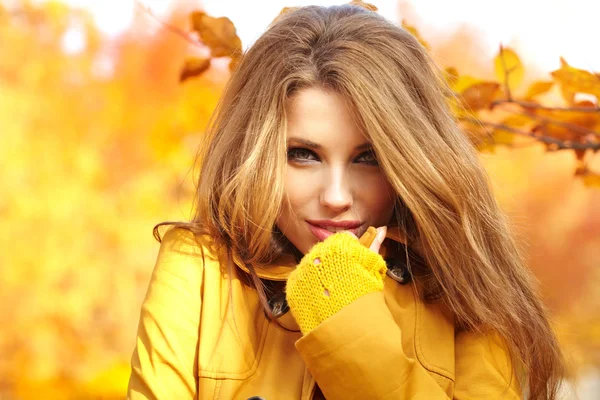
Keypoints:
(192, 344)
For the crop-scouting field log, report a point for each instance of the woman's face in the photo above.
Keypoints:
(333, 181)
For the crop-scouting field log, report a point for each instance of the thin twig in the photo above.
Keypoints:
(561, 145)
(550, 121)
(532, 105)
(170, 28)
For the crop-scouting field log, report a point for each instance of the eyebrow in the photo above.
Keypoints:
(312, 145)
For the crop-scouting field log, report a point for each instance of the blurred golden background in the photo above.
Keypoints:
(97, 144)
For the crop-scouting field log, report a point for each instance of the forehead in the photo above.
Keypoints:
(322, 116)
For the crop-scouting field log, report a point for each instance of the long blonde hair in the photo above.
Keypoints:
(445, 204)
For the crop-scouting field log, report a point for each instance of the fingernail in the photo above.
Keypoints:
(382, 231)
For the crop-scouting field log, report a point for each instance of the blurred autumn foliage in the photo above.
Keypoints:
(97, 145)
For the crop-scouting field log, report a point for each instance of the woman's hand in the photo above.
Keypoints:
(333, 274)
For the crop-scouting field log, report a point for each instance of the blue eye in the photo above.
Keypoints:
(368, 157)
(300, 154)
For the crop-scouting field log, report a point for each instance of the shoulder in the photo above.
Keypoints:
(182, 251)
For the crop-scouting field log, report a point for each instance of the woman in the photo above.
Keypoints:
(336, 120)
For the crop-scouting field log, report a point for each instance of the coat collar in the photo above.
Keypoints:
(281, 271)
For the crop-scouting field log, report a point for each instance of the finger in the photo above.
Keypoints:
(350, 233)
(376, 245)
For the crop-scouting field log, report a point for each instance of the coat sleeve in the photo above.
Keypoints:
(357, 354)
(164, 360)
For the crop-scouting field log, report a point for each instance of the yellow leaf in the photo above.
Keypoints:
(110, 382)
(413, 31)
(463, 82)
(574, 80)
(537, 88)
(451, 75)
(504, 137)
(508, 64)
(194, 67)
(219, 34)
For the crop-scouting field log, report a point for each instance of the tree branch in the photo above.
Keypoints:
(532, 105)
(555, 143)
(549, 121)
(506, 73)
(170, 28)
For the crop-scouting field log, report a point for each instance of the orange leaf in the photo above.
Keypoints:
(507, 64)
(537, 88)
(480, 95)
(219, 34)
(362, 4)
(451, 75)
(194, 67)
(569, 125)
(557, 132)
(517, 120)
(590, 179)
(504, 137)
(575, 80)
(283, 11)
(413, 31)
(580, 154)
(234, 63)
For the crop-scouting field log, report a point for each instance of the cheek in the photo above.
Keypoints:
(377, 197)
(298, 193)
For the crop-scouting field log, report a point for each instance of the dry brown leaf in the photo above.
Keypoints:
(194, 67)
(219, 34)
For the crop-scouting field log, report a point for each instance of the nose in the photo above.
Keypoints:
(337, 191)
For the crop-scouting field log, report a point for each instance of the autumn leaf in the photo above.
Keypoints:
(463, 82)
(110, 382)
(576, 80)
(580, 154)
(413, 31)
(283, 11)
(219, 34)
(517, 120)
(589, 178)
(507, 65)
(362, 4)
(567, 124)
(193, 67)
(234, 63)
(480, 95)
(537, 88)
(503, 137)
(451, 75)
(556, 131)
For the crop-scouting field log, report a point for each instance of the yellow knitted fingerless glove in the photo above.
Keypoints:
(332, 275)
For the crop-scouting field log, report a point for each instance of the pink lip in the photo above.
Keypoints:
(319, 227)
